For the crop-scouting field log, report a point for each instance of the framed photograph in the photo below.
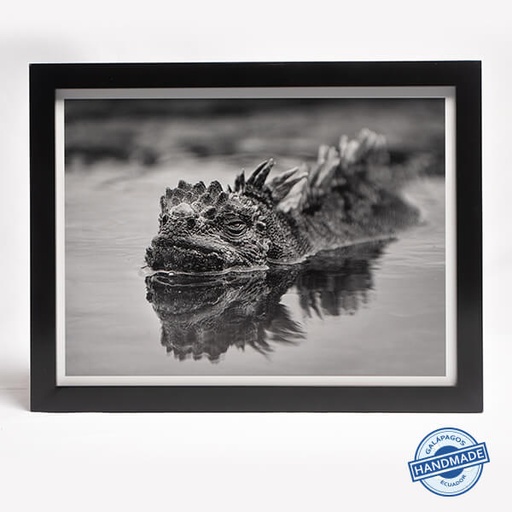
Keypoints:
(256, 237)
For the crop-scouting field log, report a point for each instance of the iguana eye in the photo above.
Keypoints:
(235, 227)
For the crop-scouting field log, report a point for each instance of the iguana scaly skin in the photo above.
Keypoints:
(337, 201)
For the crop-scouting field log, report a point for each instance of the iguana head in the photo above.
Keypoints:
(211, 229)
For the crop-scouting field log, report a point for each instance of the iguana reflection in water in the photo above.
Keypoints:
(205, 315)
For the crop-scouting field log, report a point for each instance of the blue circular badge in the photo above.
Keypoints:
(448, 462)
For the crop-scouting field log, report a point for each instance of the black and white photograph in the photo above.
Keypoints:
(261, 239)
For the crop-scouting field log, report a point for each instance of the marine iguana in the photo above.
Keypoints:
(338, 201)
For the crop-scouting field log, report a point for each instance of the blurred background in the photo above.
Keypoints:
(155, 132)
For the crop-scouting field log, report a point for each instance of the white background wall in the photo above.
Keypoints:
(243, 462)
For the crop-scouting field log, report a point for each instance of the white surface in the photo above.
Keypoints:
(249, 462)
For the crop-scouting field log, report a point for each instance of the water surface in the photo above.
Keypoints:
(373, 310)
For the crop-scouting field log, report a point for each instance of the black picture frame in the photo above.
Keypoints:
(465, 396)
